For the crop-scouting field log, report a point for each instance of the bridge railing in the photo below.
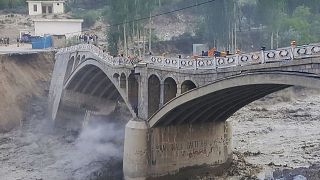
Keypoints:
(103, 57)
(261, 57)
(281, 54)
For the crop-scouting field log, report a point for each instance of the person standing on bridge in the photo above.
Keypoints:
(85, 38)
(18, 41)
(6, 41)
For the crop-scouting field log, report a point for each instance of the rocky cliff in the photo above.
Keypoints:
(22, 77)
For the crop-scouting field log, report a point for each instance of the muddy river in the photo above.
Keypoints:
(274, 138)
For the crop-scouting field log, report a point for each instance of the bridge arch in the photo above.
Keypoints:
(187, 86)
(170, 89)
(219, 100)
(83, 58)
(116, 77)
(170, 75)
(123, 81)
(93, 85)
(153, 94)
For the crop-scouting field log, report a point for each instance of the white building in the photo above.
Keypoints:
(67, 27)
(45, 7)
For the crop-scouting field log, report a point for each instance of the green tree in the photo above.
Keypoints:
(302, 26)
(217, 21)
(121, 11)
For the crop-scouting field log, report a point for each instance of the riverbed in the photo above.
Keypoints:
(278, 133)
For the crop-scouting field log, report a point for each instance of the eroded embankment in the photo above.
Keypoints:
(21, 77)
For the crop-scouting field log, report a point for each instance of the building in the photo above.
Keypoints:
(45, 7)
(67, 27)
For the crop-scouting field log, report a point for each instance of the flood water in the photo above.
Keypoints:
(277, 133)
(37, 150)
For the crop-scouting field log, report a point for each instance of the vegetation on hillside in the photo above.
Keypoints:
(226, 24)
(121, 11)
(277, 21)
(11, 4)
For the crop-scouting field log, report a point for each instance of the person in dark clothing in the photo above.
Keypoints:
(18, 41)
(85, 38)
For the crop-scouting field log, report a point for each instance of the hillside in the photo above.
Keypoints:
(22, 77)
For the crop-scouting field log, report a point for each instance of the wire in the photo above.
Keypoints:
(165, 13)
(152, 16)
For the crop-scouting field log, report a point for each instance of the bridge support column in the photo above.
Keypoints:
(143, 91)
(161, 94)
(176, 152)
(135, 158)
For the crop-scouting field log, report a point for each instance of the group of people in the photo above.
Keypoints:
(19, 41)
(88, 38)
(4, 41)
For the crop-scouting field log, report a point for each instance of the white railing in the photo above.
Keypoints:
(281, 54)
(102, 56)
(277, 55)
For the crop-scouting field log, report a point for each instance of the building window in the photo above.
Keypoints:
(50, 9)
(35, 8)
(44, 9)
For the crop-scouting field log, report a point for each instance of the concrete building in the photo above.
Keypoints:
(67, 27)
(45, 7)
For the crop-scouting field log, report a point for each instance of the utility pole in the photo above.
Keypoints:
(150, 34)
(271, 43)
(133, 39)
(277, 39)
(119, 41)
(235, 26)
(125, 48)
(144, 44)
(139, 49)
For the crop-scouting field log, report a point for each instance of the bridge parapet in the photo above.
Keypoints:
(281, 54)
(105, 57)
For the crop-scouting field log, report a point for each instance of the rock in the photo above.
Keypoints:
(299, 177)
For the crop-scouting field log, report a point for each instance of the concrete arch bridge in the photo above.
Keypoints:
(179, 107)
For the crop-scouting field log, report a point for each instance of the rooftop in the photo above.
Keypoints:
(47, 1)
(58, 20)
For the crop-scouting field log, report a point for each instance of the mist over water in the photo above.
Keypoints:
(98, 148)
(102, 143)
(37, 150)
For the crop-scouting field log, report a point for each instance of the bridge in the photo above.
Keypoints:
(179, 107)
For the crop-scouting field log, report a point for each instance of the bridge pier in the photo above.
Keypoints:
(176, 152)
(135, 158)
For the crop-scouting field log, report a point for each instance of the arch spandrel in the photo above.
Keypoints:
(170, 89)
(187, 86)
(153, 94)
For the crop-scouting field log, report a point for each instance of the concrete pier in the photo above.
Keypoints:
(135, 158)
(173, 152)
